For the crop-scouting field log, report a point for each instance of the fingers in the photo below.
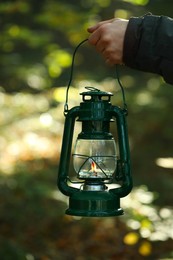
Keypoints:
(100, 47)
(93, 28)
(94, 37)
(108, 38)
(96, 26)
(100, 36)
(101, 41)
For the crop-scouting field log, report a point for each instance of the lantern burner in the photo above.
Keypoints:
(93, 186)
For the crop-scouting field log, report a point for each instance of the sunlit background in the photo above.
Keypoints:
(37, 41)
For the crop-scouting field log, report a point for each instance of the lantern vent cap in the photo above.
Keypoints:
(95, 93)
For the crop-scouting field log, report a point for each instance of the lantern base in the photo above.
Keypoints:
(94, 204)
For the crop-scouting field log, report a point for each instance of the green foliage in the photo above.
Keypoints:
(138, 2)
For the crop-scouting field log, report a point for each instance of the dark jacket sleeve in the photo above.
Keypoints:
(148, 45)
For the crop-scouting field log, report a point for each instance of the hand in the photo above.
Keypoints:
(108, 39)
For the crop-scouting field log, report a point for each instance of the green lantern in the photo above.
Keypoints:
(97, 159)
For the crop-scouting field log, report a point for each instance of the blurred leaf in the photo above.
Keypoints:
(138, 2)
(131, 238)
(145, 248)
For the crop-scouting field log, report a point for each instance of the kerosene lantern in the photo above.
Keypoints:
(96, 159)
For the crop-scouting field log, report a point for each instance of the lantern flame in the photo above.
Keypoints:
(93, 167)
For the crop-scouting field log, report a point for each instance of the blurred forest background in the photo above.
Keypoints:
(37, 40)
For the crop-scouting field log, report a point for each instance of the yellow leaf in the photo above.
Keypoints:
(131, 238)
(145, 248)
(145, 223)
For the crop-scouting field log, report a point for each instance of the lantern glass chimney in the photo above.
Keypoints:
(95, 158)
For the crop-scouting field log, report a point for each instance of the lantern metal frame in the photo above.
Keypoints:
(94, 198)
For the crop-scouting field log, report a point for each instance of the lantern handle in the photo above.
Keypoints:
(122, 88)
(71, 77)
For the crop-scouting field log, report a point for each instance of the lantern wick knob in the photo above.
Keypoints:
(92, 89)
